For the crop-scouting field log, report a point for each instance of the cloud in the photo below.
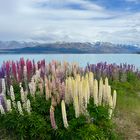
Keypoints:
(68, 20)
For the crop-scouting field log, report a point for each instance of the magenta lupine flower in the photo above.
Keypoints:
(21, 67)
(14, 72)
(29, 70)
(43, 69)
(8, 78)
(34, 67)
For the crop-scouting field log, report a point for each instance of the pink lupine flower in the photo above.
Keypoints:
(62, 93)
(52, 118)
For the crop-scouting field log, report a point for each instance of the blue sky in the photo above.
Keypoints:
(116, 21)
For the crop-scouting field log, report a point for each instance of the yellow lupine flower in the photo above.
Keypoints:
(100, 91)
(114, 99)
(110, 106)
(64, 115)
(76, 106)
(95, 92)
(91, 79)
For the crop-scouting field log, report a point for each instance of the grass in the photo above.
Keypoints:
(127, 113)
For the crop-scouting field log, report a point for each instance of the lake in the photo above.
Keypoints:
(82, 59)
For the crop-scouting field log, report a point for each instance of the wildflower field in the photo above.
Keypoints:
(63, 101)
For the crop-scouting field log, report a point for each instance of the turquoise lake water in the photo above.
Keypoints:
(82, 59)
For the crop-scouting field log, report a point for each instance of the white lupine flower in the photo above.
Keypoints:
(87, 89)
(76, 106)
(108, 93)
(106, 90)
(4, 98)
(3, 86)
(100, 91)
(12, 93)
(9, 109)
(2, 109)
(20, 85)
(106, 81)
(85, 99)
(80, 97)
(14, 104)
(104, 95)
(37, 75)
(91, 79)
(114, 99)
(110, 106)
(22, 95)
(64, 115)
(32, 87)
(95, 92)
(70, 88)
(19, 107)
(28, 106)
(67, 93)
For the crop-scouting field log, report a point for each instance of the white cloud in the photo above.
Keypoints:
(27, 20)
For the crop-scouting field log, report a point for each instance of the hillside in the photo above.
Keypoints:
(98, 47)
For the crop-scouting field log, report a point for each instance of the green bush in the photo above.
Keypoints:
(37, 126)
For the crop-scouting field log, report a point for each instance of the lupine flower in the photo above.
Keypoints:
(91, 79)
(40, 85)
(100, 91)
(12, 93)
(14, 70)
(9, 109)
(28, 106)
(19, 107)
(53, 101)
(3, 86)
(32, 87)
(52, 118)
(110, 106)
(47, 92)
(0, 85)
(84, 91)
(114, 99)
(64, 115)
(76, 106)
(108, 93)
(25, 77)
(2, 109)
(22, 95)
(1, 100)
(95, 92)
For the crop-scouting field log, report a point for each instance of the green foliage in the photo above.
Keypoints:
(100, 117)
(37, 125)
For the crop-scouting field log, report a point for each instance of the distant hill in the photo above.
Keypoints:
(35, 47)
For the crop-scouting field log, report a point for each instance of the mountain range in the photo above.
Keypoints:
(66, 47)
